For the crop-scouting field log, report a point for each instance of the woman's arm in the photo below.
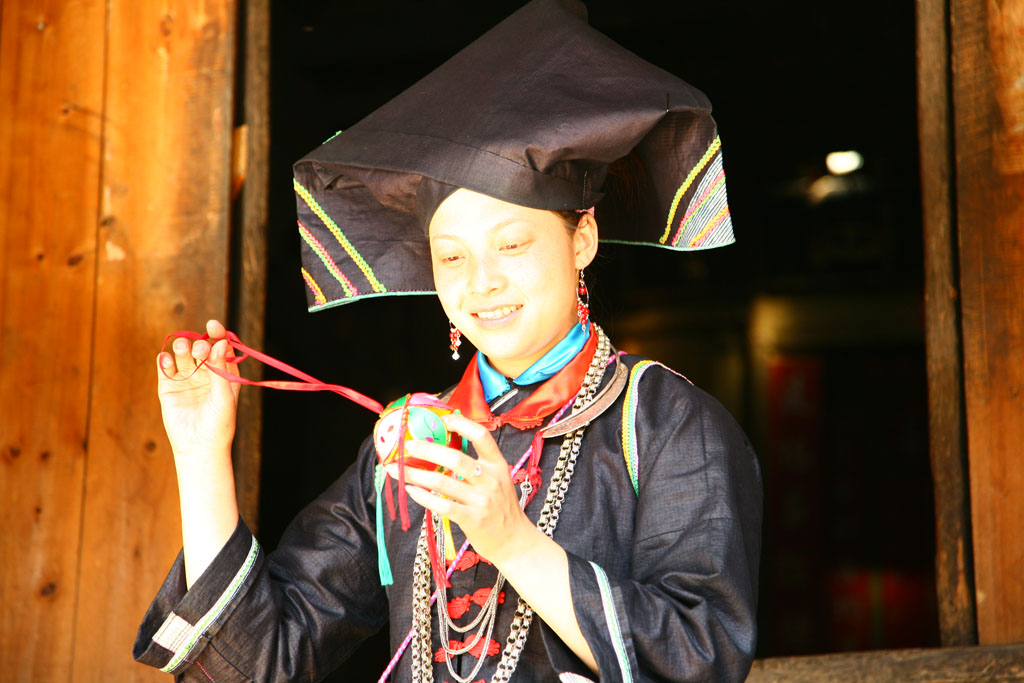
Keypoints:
(539, 570)
(198, 410)
(293, 614)
(486, 508)
(682, 606)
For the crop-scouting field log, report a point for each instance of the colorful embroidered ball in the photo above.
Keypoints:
(422, 414)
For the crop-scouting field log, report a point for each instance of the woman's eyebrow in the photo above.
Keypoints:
(496, 226)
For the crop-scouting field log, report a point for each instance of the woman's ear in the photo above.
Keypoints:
(584, 241)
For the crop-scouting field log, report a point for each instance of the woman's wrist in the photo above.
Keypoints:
(201, 458)
(521, 549)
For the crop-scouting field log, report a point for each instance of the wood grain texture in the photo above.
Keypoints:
(162, 266)
(251, 221)
(991, 250)
(51, 93)
(939, 665)
(947, 435)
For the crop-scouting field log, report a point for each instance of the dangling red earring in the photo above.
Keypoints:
(583, 302)
(455, 340)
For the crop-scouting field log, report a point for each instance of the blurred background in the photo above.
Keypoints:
(810, 329)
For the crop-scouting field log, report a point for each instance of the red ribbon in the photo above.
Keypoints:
(308, 383)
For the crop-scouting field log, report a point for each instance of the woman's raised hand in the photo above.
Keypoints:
(198, 407)
(483, 503)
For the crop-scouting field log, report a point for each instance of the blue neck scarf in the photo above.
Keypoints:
(495, 384)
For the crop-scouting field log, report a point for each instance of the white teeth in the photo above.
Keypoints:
(497, 313)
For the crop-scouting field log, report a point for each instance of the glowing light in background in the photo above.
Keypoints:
(841, 163)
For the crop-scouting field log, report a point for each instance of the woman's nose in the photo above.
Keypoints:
(485, 276)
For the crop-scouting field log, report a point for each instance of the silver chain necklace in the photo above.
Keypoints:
(422, 655)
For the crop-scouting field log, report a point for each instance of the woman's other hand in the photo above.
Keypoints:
(198, 407)
(484, 502)
(485, 506)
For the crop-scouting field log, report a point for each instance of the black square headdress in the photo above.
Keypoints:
(541, 111)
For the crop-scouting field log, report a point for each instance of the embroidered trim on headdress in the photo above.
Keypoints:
(318, 294)
(716, 145)
(325, 258)
(707, 207)
(339, 235)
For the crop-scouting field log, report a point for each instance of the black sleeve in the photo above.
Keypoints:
(294, 614)
(687, 610)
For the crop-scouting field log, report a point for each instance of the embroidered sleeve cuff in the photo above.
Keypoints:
(179, 621)
(602, 619)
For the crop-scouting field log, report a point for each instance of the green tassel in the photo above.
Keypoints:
(383, 564)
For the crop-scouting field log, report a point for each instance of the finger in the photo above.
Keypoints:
(165, 365)
(442, 506)
(218, 359)
(200, 349)
(456, 461)
(218, 356)
(482, 441)
(439, 483)
(215, 329)
(183, 355)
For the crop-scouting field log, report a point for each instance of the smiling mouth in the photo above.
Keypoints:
(496, 313)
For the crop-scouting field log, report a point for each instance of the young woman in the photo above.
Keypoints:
(625, 543)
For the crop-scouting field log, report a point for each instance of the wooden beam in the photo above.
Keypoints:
(938, 665)
(988, 63)
(947, 439)
(163, 245)
(51, 103)
(248, 319)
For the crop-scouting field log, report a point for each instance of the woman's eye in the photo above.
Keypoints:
(449, 259)
(512, 246)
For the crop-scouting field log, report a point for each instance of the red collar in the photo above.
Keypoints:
(468, 396)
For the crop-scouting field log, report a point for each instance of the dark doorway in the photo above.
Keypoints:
(818, 304)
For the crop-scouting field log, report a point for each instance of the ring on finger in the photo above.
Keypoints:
(476, 471)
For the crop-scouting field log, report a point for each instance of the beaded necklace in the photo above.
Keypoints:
(421, 655)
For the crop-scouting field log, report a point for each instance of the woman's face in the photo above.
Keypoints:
(506, 275)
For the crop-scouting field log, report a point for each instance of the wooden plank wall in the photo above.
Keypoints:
(115, 122)
(51, 103)
(935, 665)
(988, 101)
(954, 569)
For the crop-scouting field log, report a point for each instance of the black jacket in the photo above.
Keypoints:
(663, 575)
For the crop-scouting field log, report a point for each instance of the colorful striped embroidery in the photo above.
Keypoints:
(318, 294)
(207, 619)
(325, 258)
(173, 633)
(629, 422)
(570, 677)
(720, 218)
(706, 207)
(629, 405)
(715, 146)
(338, 235)
(612, 619)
